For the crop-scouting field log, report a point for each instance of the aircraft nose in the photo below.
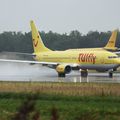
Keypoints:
(117, 61)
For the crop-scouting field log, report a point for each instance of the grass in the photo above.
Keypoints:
(59, 101)
(74, 89)
(67, 107)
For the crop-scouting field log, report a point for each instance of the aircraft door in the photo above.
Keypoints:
(102, 60)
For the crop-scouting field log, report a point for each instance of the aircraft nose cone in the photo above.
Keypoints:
(117, 61)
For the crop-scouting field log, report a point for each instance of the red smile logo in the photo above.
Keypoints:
(35, 43)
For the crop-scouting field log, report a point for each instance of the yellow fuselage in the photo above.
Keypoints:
(79, 57)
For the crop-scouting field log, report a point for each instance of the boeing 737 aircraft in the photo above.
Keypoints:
(64, 62)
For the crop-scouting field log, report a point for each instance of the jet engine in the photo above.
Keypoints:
(63, 69)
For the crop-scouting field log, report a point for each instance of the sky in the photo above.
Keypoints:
(61, 16)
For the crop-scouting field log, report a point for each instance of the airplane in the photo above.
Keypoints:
(99, 59)
(110, 46)
(65, 61)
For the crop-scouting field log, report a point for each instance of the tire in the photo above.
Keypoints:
(84, 73)
(61, 74)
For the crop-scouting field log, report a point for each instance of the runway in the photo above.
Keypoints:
(26, 72)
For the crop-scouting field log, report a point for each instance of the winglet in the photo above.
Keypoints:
(38, 44)
(112, 41)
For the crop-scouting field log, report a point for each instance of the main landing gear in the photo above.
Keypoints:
(111, 72)
(84, 73)
(61, 75)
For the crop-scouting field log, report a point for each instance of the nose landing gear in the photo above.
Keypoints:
(110, 74)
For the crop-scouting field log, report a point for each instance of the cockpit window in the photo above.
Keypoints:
(110, 57)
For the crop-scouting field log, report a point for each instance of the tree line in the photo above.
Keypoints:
(22, 42)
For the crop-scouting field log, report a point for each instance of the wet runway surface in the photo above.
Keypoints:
(26, 72)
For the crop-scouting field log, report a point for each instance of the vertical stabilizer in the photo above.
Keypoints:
(112, 41)
(38, 44)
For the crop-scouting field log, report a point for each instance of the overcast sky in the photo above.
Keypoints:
(60, 15)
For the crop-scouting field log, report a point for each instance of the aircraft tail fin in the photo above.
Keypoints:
(38, 44)
(112, 41)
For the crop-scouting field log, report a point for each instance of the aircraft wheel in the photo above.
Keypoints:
(84, 73)
(115, 69)
(110, 74)
(61, 74)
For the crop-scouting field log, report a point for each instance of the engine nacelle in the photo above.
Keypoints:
(63, 69)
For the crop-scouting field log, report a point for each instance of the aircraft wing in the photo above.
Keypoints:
(29, 62)
(27, 58)
(47, 64)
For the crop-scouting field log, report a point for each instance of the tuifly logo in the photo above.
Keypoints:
(87, 57)
(35, 42)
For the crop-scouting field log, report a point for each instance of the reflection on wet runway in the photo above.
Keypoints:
(26, 72)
